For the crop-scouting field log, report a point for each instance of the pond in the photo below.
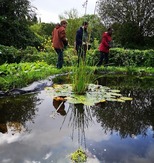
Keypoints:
(31, 131)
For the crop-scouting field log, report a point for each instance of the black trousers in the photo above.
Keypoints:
(103, 57)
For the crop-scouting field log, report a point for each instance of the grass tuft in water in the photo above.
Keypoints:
(81, 77)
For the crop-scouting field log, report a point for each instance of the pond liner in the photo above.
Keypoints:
(32, 88)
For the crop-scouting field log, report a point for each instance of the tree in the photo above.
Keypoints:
(20, 10)
(15, 16)
(74, 22)
(139, 13)
(95, 27)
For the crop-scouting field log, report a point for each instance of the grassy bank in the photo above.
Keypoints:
(20, 75)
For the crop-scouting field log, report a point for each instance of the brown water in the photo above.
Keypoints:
(31, 131)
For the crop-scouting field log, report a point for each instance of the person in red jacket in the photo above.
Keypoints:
(104, 47)
(59, 40)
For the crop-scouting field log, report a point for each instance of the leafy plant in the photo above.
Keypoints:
(81, 77)
(79, 156)
(94, 94)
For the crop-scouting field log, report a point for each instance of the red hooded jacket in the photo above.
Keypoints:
(105, 43)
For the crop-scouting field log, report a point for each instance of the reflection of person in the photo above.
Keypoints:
(104, 47)
(58, 103)
(3, 128)
(59, 41)
(82, 41)
(3, 120)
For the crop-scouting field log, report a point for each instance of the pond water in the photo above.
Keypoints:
(31, 131)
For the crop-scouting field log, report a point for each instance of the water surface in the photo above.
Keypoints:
(31, 131)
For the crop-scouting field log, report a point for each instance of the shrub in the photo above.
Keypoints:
(9, 54)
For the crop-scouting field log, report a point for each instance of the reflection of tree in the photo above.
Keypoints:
(129, 118)
(126, 81)
(16, 111)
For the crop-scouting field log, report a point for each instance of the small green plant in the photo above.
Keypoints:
(81, 77)
(79, 156)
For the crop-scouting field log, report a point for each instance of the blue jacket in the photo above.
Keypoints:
(79, 35)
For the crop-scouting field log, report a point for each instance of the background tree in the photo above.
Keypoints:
(130, 16)
(95, 27)
(15, 17)
(74, 22)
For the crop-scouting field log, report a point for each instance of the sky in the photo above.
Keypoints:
(49, 10)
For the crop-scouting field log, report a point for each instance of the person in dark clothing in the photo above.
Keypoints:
(82, 41)
(104, 47)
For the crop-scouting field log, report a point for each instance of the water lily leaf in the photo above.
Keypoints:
(88, 103)
(111, 99)
(103, 100)
(115, 94)
(94, 94)
(72, 100)
(108, 95)
(120, 100)
(56, 86)
(126, 98)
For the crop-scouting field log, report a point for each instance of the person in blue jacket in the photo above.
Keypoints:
(82, 41)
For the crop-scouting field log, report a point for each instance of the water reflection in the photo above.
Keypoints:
(59, 104)
(127, 82)
(99, 129)
(128, 119)
(131, 118)
(16, 111)
(80, 118)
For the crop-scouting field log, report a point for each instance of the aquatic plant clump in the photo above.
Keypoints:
(94, 94)
(79, 156)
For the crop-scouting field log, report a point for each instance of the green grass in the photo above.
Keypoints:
(20, 75)
(81, 77)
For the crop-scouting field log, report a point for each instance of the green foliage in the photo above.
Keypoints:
(124, 57)
(79, 156)
(127, 57)
(43, 30)
(70, 57)
(95, 27)
(133, 21)
(46, 45)
(19, 75)
(128, 35)
(14, 22)
(72, 27)
(92, 57)
(81, 77)
(30, 54)
(20, 10)
(9, 54)
(14, 33)
(117, 56)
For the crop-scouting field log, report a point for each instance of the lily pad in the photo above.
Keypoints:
(95, 94)
(126, 98)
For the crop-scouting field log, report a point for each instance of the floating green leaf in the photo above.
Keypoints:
(94, 94)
